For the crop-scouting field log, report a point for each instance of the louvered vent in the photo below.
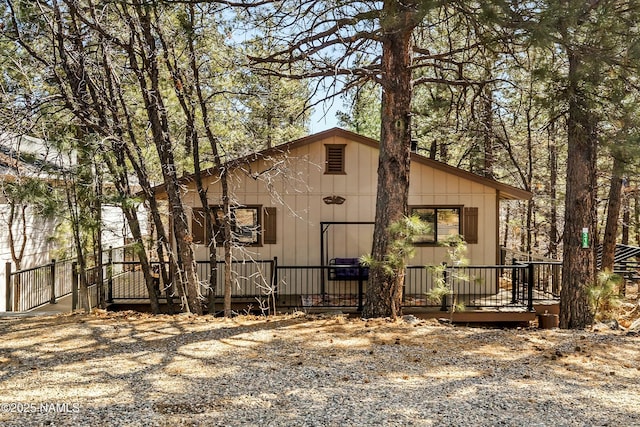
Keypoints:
(335, 159)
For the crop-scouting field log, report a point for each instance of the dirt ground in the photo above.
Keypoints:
(130, 368)
(137, 369)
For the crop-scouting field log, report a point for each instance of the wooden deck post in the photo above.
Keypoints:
(8, 289)
(52, 282)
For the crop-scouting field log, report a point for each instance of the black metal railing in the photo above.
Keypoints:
(125, 280)
(32, 287)
(518, 285)
(468, 287)
(250, 279)
(320, 286)
(548, 271)
(547, 278)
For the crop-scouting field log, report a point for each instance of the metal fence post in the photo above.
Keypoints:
(530, 287)
(361, 287)
(110, 276)
(74, 286)
(52, 284)
(515, 275)
(9, 288)
(274, 281)
(445, 279)
(17, 291)
(213, 282)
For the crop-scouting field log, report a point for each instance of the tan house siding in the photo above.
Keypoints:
(437, 188)
(300, 208)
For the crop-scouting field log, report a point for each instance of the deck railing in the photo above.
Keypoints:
(250, 279)
(547, 277)
(261, 283)
(320, 286)
(32, 287)
(469, 287)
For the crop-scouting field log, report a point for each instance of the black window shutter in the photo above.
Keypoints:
(198, 226)
(269, 225)
(471, 225)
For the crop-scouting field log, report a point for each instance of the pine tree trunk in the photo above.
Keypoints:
(505, 232)
(487, 132)
(149, 80)
(184, 245)
(636, 216)
(529, 182)
(384, 291)
(162, 242)
(553, 182)
(119, 172)
(613, 215)
(626, 218)
(578, 268)
(529, 222)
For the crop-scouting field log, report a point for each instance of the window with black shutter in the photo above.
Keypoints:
(250, 225)
(443, 221)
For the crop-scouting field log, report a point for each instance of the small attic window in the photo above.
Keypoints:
(334, 162)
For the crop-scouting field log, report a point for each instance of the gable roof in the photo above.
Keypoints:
(505, 191)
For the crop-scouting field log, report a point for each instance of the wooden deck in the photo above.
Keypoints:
(63, 305)
(496, 308)
(488, 315)
(512, 315)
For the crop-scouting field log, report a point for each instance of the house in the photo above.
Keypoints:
(310, 203)
(24, 157)
(313, 199)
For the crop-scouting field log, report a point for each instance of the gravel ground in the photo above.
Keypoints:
(133, 369)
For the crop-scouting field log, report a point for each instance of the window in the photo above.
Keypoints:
(444, 222)
(334, 161)
(246, 225)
